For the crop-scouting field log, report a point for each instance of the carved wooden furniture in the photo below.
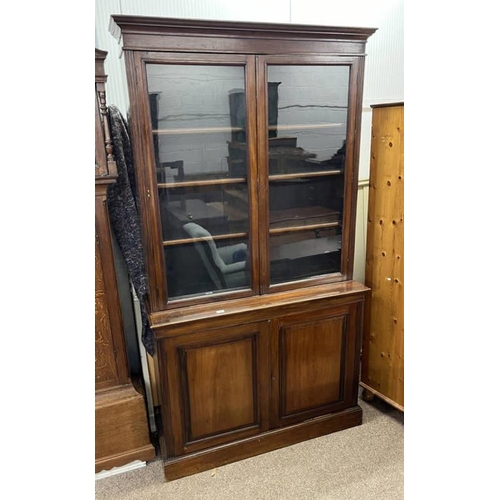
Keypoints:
(382, 372)
(121, 427)
(249, 253)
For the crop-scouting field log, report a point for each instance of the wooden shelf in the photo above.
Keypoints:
(302, 217)
(282, 177)
(233, 213)
(307, 227)
(306, 248)
(215, 130)
(208, 182)
(305, 126)
(242, 180)
(197, 130)
(215, 237)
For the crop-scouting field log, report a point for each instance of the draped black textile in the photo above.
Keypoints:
(124, 216)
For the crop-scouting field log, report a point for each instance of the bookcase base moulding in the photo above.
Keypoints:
(182, 466)
(246, 147)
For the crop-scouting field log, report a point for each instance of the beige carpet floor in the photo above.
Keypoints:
(362, 463)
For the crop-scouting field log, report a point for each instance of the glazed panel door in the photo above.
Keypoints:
(306, 156)
(198, 173)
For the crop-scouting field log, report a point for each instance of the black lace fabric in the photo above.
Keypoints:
(124, 216)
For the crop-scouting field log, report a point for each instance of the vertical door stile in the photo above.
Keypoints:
(263, 173)
(253, 172)
(202, 167)
(146, 184)
(351, 173)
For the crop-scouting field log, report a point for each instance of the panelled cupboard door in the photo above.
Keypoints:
(312, 361)
(217, 386)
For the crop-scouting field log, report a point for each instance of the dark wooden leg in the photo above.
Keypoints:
(367, 395)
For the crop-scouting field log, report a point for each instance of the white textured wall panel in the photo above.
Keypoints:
(116, 86)
(385, 58)
(360, 238)
(228, 10)
(363, 13)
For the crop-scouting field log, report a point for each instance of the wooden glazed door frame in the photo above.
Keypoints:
(356, 65)
(146, 179)
(258, 183)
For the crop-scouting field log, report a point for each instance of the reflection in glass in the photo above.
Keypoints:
(207, 264)
(192, 120)
(308, 118)
(220, 208)
(306, 198)
(307, 132)
(197, 112)
(304, 254)
(237, 147)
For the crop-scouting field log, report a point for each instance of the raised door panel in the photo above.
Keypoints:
(220, 382)
(314, 364)
(217, 386)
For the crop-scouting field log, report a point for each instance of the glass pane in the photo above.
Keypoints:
(198, 115)
(220, 209)
(207, 265)
(307, 128)
(304, 254)
(196, 112)
(307, 118)
(313, 200)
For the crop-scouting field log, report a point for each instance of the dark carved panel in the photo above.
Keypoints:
(105, 366)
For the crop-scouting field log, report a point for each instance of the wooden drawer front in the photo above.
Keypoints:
(314, 352)
(218, 386)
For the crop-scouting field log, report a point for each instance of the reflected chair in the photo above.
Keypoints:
(225, 265)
